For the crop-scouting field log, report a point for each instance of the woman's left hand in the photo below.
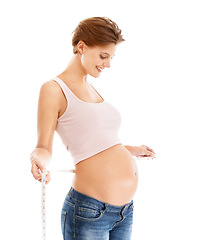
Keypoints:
(143, 151)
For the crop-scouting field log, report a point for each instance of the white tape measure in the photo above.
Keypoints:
(43, 199)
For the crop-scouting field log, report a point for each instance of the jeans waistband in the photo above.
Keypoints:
(77, 196)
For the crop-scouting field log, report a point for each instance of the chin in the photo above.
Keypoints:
(94, 75)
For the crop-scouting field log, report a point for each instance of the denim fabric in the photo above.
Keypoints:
(86, 218)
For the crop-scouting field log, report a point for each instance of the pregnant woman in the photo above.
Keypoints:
(99, 204)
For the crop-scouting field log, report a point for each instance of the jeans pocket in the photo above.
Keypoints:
(63, 221)
(87, 212)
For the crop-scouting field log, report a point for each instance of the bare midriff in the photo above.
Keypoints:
(110, 176)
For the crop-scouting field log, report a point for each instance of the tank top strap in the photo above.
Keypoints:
(67, 92)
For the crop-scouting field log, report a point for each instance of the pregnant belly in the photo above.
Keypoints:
(110, 176)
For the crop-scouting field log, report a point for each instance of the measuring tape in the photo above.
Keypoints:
(43, 195)
(43, 199)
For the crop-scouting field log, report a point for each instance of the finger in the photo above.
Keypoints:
(145, 155)
(146, 149)
(48, 178)
(48, 181)
(35, 168)
(35, 171)
(149, 149)
(151, 153)
(148, 154)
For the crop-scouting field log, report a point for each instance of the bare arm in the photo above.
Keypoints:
(47, 114)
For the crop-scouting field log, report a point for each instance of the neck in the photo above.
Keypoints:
(74, 71)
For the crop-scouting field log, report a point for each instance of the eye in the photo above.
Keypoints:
(102, 57)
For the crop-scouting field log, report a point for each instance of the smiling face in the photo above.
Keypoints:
(95, 59)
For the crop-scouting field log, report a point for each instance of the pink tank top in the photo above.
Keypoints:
(87, 128)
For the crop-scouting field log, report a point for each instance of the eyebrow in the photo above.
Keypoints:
(107, 54)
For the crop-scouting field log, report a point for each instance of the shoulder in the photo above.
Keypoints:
(50, 92)
(50, 87)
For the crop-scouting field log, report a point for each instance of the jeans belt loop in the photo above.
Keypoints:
(104, 208)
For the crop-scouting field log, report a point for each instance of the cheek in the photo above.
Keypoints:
(88, 60)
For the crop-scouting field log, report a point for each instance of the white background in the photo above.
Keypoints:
(159, 80)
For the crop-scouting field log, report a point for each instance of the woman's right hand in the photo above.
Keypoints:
(39, 158)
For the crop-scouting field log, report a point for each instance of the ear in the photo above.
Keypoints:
(81, 47)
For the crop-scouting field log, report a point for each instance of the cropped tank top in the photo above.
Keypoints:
(87, 128)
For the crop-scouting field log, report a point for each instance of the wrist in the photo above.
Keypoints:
(130, 149)
(40, 155)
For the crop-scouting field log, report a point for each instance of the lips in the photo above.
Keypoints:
(99, 69)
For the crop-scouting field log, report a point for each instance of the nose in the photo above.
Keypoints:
(107, 63)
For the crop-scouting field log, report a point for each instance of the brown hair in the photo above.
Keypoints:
(96, 31)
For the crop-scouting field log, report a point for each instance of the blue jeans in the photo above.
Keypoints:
(86, 218)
